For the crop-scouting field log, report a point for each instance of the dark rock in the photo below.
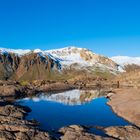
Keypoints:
(5, 135)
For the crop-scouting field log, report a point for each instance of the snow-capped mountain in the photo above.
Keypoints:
(82, 58)
(70, 56)
(38, 64)
(126, 60)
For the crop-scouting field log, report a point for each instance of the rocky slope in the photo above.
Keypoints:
(32, 65)
(52, 64)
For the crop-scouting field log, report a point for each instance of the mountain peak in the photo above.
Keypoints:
(82, 58)
(37, 50)
(69, 48)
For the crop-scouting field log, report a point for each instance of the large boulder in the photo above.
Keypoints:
(9, 90)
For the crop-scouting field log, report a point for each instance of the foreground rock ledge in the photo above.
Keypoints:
(76, 132)
(124, 133)
(13, 127)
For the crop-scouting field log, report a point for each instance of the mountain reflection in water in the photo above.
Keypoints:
(80, 107)
(74, 97)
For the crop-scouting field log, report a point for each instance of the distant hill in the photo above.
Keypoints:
(126, 60)
(131, 74)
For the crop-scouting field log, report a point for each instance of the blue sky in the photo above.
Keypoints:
(108, 27)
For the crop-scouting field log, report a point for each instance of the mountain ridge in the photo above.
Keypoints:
(38, 64)
(126, 60)
(119, 59)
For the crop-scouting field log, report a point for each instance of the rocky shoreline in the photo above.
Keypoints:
(16, 89)
(126, 103)
(13, 126)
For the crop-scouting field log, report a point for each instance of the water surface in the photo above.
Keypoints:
(54, 111)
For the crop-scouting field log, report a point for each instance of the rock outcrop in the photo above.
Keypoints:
(75, 132)
(14, 127)
(124, 133)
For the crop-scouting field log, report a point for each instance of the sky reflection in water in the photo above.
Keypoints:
(71, 107)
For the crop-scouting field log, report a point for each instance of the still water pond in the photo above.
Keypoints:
(71, 107)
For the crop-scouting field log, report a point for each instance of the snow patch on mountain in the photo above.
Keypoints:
(72, 55)
(82, 58)
(37, 51)
(18, 51)
(126, 60)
